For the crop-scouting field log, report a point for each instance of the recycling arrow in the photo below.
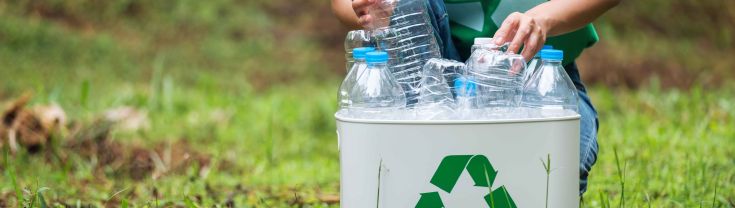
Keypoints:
(482, 173)
(430, 200)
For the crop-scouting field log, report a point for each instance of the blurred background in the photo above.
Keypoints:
(230, 103)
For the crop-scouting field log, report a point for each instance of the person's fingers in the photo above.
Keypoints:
(516, 66)
(365, 20)
(361, 20)
(504, 33)
(361, 12)
(359, 5)
(521, 35)
(361, 8)
(533, 44)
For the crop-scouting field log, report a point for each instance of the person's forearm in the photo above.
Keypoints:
(344, 12)
(563, 16)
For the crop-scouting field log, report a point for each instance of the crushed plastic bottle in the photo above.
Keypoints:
(488, 44)
(550, 89)
(355, 39)
(436, 100)
(498, 75)
(376, 93)
(466, 99)
(403, 29)
(349, 80)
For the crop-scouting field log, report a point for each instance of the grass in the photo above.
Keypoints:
(489, 186)
(677, 145)
(621, 176)
(255, 92)
(547, 168)
(674, 144)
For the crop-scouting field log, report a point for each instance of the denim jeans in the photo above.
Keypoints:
(588, 124)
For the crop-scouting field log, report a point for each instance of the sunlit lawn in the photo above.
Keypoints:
(256, 109)
(278, 147)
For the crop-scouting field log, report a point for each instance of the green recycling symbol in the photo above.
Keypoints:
(482, 173)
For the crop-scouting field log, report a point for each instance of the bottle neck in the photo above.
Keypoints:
(377, 64)
(359, 59)
(551, 61)
(488, 46)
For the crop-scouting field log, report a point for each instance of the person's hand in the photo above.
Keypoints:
(522, 30)
(361, 8)
(372, 14)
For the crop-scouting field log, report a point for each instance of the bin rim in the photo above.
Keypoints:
(455, 122)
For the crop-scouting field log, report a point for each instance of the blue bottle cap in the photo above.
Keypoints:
(552, 54)
(465, 87)
(359, 53)
(544, 48)
(376, 57)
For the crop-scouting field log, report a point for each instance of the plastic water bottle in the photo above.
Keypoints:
(403, 29)
(498, 75)
(466, 101)
(376, 93)
(534, 64)
(436, 100)
(355, 39)
(349, 81)
(550, 88)
(488, 44)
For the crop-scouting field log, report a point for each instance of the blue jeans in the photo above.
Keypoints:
(588, 124)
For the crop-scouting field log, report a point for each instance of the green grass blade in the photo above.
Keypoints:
(489, 187)
(42, 201)
(40, 198)
(621, 175)
(84, 93)
(189, 203)
(547, 168)
(714, 196)
(10, 172)
(380, 170)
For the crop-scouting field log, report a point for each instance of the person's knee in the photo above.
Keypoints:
(588, 136)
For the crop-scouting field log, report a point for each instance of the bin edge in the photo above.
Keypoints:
(453, 122)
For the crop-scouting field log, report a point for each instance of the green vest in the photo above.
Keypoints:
(469, 19)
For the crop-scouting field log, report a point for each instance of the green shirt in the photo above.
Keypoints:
(469, 19)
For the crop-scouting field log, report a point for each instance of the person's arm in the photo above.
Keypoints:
(353, 14)
(555, 17)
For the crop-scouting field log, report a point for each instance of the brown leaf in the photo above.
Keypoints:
(329, 199)
(23, 127)
(52, 116)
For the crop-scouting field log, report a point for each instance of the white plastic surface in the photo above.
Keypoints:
(410, 152)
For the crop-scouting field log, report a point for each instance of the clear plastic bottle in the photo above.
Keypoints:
(376, 93)
(435, 89)
(534, 64)
(466, 100)
(355, 39)
(483, 53)
(436, 101)
(349, 81)
(498, 75)
(403, 29)
(487, 44)
(550, 91)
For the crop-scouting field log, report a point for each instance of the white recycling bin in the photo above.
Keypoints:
(397, 164)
